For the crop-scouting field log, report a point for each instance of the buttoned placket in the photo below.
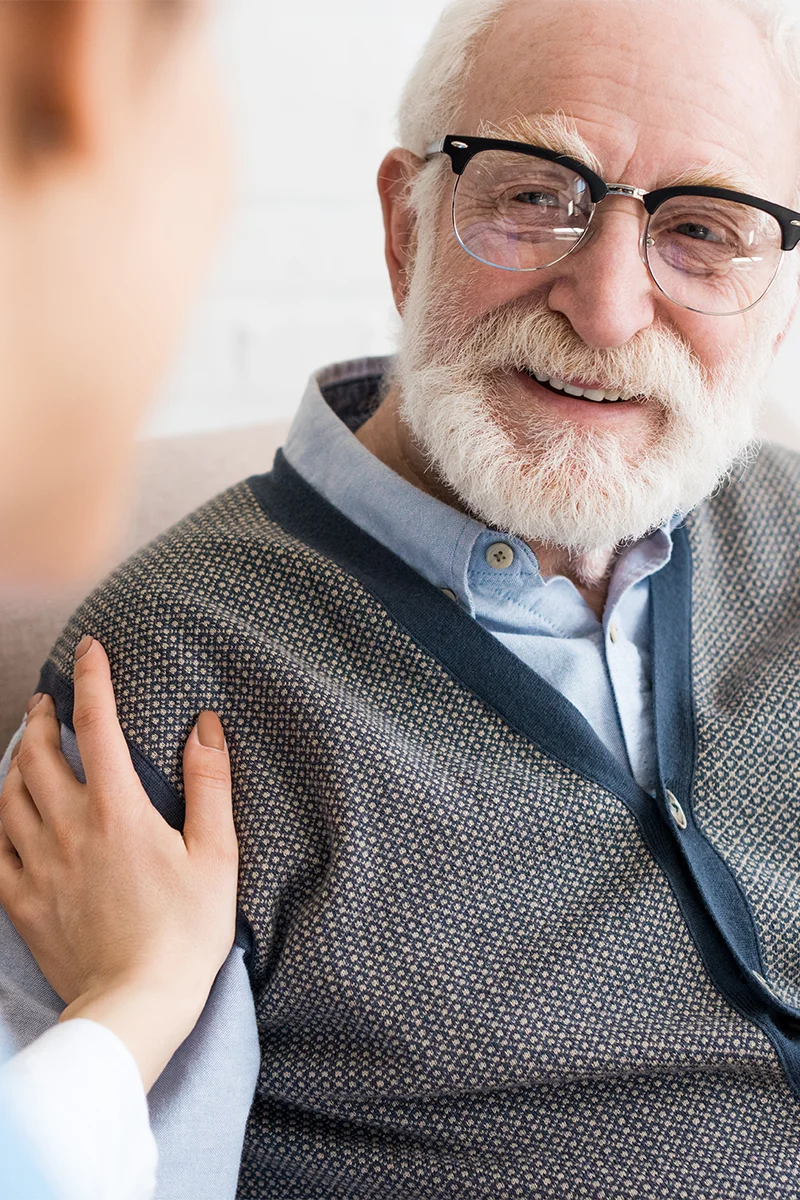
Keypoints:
(507, 594)
(601, 668)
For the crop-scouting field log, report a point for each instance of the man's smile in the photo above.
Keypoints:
(583, 402)
(581, 390)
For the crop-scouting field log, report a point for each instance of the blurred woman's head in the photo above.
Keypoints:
(113, 178)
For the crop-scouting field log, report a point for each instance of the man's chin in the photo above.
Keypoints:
(576, 511)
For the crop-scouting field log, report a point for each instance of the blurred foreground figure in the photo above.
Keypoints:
(113, 179)
(506, 644)
(113, 175)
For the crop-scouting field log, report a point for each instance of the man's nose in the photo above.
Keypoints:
(604, 288)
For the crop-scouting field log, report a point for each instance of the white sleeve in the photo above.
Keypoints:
(77, 1093)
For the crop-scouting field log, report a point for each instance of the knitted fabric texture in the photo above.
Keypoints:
(472, 978)
(747, 696)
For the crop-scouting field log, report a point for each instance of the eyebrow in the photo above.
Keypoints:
(551, 131)
(715, 175)
(559, 133)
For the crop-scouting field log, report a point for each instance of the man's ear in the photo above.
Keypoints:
(67, 71)
(394, 179)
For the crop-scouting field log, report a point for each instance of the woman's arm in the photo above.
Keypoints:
(77, 1097)
(129, 920)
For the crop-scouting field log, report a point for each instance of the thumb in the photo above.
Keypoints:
(207, 782)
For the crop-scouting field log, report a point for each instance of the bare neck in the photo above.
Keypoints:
(387, 436)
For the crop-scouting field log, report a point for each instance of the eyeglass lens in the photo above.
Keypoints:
(522, 213)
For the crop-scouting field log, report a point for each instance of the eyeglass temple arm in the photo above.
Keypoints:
(434, 148)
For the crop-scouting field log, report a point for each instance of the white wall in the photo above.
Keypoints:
(300, 280)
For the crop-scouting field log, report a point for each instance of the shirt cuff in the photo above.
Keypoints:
(78, 1094)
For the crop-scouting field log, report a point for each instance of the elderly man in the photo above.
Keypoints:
(512, 706)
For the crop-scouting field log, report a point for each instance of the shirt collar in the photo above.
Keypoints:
(430, 536)
(434, 539)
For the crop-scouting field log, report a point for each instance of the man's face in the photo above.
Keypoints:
(654, 93)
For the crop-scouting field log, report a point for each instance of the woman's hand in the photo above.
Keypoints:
(128, 920)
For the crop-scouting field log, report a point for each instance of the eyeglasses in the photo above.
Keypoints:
(523, 208)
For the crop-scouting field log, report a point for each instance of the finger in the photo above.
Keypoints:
(46, 773)
(18, 814)
(101, 742)
(10, 871)
(207, 783)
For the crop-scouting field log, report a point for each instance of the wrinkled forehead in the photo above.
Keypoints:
(655, 89)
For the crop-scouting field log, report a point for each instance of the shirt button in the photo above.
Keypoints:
(500, 556)
(613, 632)
(450, 595)
(678, 815)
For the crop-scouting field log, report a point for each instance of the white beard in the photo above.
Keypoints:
(557, 484)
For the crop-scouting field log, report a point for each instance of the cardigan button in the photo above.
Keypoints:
(450, 595)
(675, 807)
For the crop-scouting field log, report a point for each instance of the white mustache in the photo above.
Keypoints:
(656, 366)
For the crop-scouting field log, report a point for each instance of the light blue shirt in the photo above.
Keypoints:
(601, 667)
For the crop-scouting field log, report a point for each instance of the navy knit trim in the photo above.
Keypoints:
(161, 792)
(445, 630)
(712, 877)
(677, 755)
(717, 914)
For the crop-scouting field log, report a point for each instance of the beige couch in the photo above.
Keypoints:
(175, 475)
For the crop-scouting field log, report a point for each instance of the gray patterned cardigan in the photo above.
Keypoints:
(486, 964)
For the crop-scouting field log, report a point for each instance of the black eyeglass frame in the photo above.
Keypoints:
(461, 149)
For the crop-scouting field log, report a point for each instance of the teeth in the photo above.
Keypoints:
(589, 394)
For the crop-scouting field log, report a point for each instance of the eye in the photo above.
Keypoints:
(538, 199)
(698, 233)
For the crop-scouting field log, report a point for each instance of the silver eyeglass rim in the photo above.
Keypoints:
(462, 148)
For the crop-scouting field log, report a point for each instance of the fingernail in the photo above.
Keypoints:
(83, 647)
(34, 700)
(209, 731)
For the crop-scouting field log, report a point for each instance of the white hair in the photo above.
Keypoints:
(432, 100)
